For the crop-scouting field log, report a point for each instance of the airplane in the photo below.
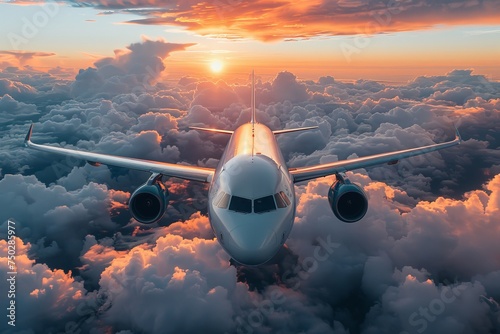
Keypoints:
(251, 199)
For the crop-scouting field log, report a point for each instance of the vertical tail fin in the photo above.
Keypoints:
(253, 119)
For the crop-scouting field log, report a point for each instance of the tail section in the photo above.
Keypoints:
(253, 118)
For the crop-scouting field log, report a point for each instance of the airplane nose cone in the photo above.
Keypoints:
(253, 246)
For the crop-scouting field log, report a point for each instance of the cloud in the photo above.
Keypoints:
(215, 97)
(48, 298)
(483, 32)
(24, 56)
(16, 89)
(268, 21)
(389, 274)
(185, 274)
(55, 221)
(198, 273)
(155, 121)
(431, 308)
(427, 243)
(12, 110)
(286, 87)
(134, 69)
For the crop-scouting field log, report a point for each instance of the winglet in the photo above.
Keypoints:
(253, 118)
(27, 140)
(457, 135)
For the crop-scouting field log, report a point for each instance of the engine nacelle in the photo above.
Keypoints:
(149, 202)
(347, 200)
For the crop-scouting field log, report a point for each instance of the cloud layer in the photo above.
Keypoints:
(423, 260)
(270, 20)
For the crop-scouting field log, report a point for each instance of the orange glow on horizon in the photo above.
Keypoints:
(398, 68)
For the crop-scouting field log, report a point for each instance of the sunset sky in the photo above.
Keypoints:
(130, 77)
(346, 39)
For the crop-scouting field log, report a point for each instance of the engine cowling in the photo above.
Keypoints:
(347, 200)
(149, 202)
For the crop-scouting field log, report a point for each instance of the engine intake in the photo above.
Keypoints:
(149, 202)
(347, 200)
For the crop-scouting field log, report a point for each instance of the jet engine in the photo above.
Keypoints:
(149, 202)
(347, 200)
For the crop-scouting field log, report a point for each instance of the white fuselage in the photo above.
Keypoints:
(251, 201)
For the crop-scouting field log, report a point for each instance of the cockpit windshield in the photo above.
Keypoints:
(244, 205)
(240, 204)
(264, 204)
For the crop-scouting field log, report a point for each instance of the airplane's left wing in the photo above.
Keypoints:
(312, 172)
(193, 173)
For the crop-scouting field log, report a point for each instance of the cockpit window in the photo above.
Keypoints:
(244, 205)
(282, 200)
(285, 197)
(222, 200)
(240, 204)
(279, 201)
(264, 204)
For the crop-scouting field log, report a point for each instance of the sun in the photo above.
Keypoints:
(216, 66)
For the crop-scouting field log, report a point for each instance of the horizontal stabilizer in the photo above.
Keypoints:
(277, 132)
(227, 132)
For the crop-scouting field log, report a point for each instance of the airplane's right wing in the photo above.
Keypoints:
(312, 172)
(194, 173)
(278, 132)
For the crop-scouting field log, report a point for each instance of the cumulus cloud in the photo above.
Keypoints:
(373, 252)
(286, 88)
(421, 259)
(214, 96)
(55, 220)
(12, 110)
(185, 274)
(16, 89)
(48, 298)
(133, 69)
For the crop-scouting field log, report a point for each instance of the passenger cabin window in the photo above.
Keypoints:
(222, 200)
(264, 204)
(240, 204)
(282, 200)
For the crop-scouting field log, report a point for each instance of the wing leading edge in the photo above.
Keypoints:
(193, 173)
(278, 132)
(226, 132)
(312, 172)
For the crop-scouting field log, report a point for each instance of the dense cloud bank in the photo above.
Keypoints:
(425, 259)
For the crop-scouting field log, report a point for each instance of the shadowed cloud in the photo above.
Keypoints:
(429, 242)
